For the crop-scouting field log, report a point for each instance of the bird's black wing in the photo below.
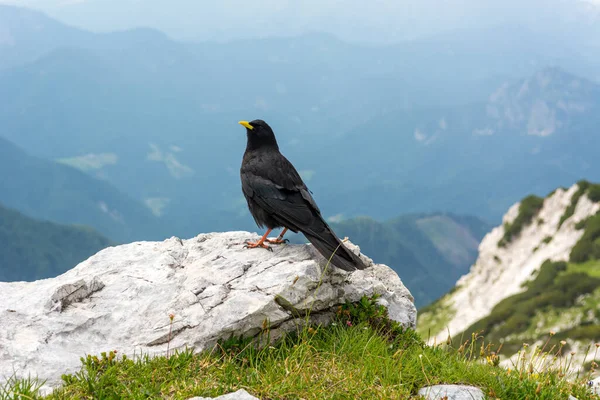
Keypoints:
(281, 193)
(293, 208)
(280, 183)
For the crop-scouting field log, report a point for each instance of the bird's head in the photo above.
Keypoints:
(259, 135)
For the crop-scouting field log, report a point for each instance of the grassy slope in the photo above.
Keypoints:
(562, 298)
(33, 249)
(560, 293)
(362, 355)
(558, 299)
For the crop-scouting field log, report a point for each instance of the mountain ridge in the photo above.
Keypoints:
(429, 145)
(536, 277)
(44, 189)
(35, 249)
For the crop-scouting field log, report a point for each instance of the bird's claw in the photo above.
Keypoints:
(277, 241)
(253, 245)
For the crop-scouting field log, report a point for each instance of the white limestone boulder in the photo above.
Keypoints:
(121, 298)
(451, 392)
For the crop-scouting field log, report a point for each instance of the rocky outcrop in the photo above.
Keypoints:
(145, 297)
(500, 271)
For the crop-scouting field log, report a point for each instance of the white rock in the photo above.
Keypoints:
(120, 299)
(595, 385)
(239, 395)
(451, 392)
(499, 272)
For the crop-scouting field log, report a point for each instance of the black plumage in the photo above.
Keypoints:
(277, 197)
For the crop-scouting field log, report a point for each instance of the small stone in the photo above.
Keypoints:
(595, 385)
(239, 395)
(73, 292)
(451, 392)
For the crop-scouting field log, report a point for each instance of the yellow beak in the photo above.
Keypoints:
(246, 124)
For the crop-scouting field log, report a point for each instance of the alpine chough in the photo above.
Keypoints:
(278, 198)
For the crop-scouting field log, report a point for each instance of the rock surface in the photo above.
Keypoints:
(451, 392)
(239, 395)
(595, 385)
(121, 298)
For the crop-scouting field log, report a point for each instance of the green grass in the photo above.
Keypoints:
(592, 268)
(434, 317)
(528, 209)
(585, 312)
(594, 192)
(570, 210)
(362, 355)
(588, 246)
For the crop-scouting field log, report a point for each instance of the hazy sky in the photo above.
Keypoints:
(355, 20)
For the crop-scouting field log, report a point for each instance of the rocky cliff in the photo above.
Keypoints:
(536, 273)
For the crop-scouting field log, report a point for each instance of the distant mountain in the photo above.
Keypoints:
(538, 272)
(530, 136)
(446, 123)
(51, 191)
(429, 251)
(26, 35)
(34, 249)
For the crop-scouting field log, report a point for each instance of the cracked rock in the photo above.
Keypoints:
(451, 392)
(73, 292)
(122, 299)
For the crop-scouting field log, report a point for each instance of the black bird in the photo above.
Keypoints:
(277, 197)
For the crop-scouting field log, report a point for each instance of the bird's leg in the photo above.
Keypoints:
(280, 238)
(260, 243)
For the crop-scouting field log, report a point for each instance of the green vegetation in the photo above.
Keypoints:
(588, 246)
(570, 210)
(434, 317)
(594, 193)
(584, 332)
(33, 249)
(581, 224)
(528, 209)
(591, 267)
(362, 355)
(547, 239)
(558, 286)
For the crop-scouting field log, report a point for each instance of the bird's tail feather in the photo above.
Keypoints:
(330, 247)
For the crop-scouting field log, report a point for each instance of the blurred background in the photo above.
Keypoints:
(416, 124)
